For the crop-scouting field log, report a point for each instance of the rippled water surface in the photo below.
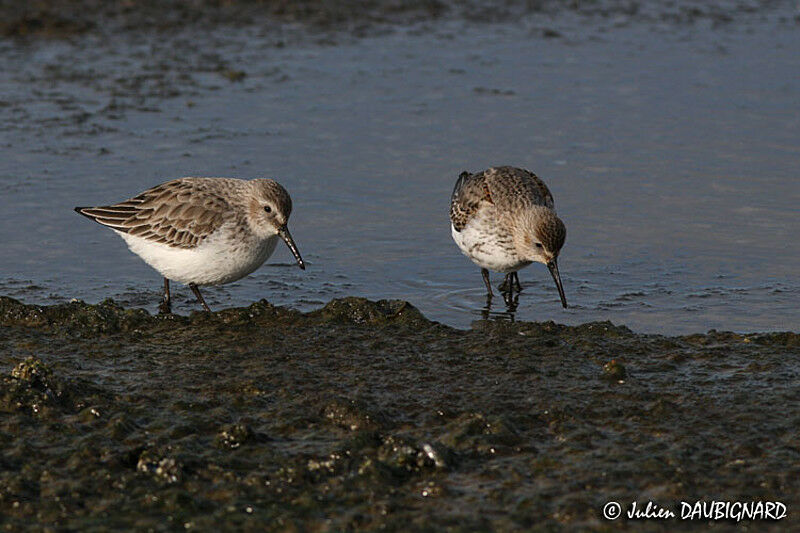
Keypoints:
(672, 153)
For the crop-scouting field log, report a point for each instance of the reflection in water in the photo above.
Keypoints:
(511, 302)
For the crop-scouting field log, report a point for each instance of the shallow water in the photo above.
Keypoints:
(672, 153)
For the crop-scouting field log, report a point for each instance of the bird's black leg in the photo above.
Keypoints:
(199, 296)
(165, 307)
(508, 283)
(516, 282)
(485, 274)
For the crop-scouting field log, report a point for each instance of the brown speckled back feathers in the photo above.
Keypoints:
(507, 188)
(180, 213)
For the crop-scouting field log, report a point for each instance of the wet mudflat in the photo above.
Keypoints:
(366, 415)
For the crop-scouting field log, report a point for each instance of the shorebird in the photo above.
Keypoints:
(504, 219)
(202, 231)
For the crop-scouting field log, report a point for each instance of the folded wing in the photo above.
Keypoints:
(173, 213)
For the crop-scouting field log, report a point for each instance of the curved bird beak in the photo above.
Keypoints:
(553, 267)
(284, 234)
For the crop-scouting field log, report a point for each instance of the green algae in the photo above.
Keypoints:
(365, 415)
(354, 310)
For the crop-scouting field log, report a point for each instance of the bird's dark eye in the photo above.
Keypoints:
(539, 245)
(268, 209)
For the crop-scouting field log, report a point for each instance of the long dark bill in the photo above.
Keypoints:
(553, 267)
(287, 237)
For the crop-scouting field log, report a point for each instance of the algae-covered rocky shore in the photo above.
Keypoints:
(365, 415)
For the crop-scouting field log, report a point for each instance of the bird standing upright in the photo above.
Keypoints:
(504, 219)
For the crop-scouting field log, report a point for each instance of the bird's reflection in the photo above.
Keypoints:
(511, 302)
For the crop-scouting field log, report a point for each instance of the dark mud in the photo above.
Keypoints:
(365, 415)
(62, 18)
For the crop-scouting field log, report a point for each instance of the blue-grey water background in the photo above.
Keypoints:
(672, 151)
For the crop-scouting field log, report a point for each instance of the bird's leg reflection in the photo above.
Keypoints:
(511, 301)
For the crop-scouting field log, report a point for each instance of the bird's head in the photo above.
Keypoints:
(538, 237)
(269, 209)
